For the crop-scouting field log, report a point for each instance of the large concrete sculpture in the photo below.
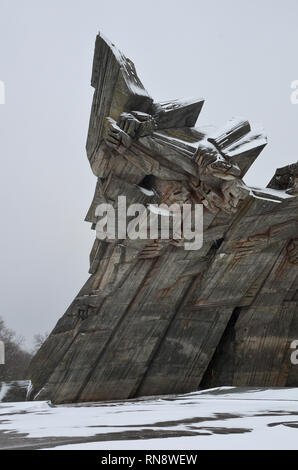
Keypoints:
(153, 317)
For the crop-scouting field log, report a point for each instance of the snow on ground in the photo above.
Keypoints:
(222, 418)
(4, 390)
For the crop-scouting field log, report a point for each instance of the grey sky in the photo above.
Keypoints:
(240, 56)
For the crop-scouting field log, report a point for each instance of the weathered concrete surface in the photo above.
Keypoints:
(154, 318)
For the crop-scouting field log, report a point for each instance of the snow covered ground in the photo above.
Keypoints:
(222, 418)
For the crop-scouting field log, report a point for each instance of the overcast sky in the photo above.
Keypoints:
(241, 56)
